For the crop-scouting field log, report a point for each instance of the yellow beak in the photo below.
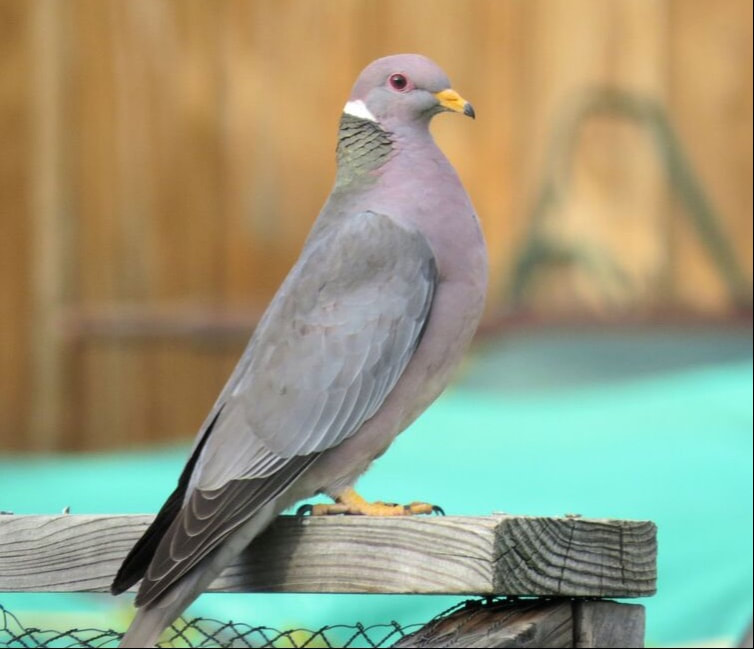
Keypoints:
(450, 100)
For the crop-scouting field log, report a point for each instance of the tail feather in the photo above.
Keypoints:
(152, 620)
(146, 628)
(135, 564)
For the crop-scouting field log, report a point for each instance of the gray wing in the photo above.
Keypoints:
(330, 348)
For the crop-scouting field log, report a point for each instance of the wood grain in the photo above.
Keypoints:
(574, 556)
(608, 624)
(484, 555)
(501, 624)
(534, 623)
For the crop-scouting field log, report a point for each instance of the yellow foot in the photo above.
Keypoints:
(349, 502)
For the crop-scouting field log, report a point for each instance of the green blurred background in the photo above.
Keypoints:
(161, 163)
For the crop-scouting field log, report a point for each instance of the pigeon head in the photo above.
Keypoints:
(401, 90)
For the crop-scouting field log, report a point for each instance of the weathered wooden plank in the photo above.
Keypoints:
(483, 555)
(715, 46)
(575, 556)
(18, 195)
(51, 234)
(608, 624)
(532, 623)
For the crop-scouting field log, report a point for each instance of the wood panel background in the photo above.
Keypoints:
(162, 161)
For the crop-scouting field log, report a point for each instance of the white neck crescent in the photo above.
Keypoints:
(358, 108)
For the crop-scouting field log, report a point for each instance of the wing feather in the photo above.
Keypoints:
(328, 351)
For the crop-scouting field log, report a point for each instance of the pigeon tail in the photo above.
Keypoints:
(146, 628)
(153, 619)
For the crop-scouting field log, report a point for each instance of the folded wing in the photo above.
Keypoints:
(330, 348)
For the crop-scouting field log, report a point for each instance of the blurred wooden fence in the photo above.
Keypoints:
(162, 161)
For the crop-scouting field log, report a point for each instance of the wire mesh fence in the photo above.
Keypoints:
(205, 632)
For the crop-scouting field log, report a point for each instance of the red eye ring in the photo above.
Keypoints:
(399, 82)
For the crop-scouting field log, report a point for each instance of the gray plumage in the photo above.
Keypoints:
(361, 337)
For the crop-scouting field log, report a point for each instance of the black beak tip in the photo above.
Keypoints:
(468, 110)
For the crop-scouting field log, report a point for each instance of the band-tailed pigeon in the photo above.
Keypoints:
(361, 337)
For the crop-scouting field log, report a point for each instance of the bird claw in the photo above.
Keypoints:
(324, 510)
(348, 502)
(423, 508)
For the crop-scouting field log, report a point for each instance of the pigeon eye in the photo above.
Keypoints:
(398, 82)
